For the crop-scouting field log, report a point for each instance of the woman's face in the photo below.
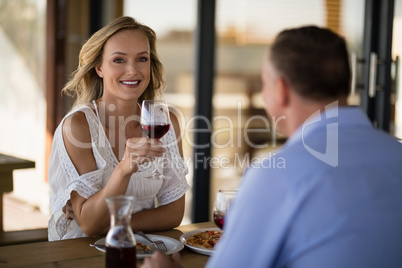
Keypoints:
(126, 66)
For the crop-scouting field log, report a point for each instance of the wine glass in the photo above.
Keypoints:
(155, 123)
(222, 204)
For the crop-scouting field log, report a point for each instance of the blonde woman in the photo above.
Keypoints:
(93, 146)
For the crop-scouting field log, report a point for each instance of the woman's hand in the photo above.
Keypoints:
(159, 260)
(68, 211)
(139, 151)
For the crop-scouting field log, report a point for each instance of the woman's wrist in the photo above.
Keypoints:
(125, 168)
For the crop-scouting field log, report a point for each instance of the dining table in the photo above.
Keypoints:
(8, 164)
(77, 252)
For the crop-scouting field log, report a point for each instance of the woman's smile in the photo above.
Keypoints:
(131, 83)
(126, 65)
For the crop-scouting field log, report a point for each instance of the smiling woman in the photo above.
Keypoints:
(88, 85)
(93, 147)
(125, 68)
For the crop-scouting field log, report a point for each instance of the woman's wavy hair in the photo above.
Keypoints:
(86, 85)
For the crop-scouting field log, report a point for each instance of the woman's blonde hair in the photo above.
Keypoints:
(85, 83)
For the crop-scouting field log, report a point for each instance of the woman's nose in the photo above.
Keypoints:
(131, 68)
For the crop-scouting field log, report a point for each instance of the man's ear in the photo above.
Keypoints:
(282, 92)
(98, 70)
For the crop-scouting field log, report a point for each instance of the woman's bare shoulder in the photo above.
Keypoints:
(78, 142)
(76, 128)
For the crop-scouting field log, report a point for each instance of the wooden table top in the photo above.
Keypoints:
(78, 253)
(9, 163)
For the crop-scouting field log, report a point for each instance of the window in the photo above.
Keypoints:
(22, 100)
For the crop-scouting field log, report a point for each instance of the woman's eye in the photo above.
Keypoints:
(118, 60)
(144, 59)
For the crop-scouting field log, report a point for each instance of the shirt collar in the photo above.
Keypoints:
(344, 115)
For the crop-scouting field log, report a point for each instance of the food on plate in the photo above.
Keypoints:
(143, 248)
(204, 239)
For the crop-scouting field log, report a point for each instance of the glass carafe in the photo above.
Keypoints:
(120, 240)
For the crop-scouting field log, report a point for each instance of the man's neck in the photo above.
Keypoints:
(302, 109)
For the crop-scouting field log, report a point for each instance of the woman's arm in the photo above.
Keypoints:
(92, 214)
(161, 218)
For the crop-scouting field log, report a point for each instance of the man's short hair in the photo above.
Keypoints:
(313, 60)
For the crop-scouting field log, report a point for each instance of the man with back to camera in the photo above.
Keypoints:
(337, 201)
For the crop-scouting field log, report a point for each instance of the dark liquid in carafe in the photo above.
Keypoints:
(120, 257)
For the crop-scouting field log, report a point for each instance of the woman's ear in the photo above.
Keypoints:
(98, 70)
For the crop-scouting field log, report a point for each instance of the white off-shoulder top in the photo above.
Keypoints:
(64, 178)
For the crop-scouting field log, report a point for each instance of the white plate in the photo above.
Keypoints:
(172, 244)
(204, 251)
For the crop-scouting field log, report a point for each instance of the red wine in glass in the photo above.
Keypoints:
(121, 257)
(219, 218)
(156, 131)
(222, 204)
(155, 122)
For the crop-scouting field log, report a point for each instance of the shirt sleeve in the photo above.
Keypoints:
(256, 224)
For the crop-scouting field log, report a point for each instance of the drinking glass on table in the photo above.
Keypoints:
(222, 204)
(155, 122)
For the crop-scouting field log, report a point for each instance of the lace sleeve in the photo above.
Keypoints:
(64, 178)
(174, 167)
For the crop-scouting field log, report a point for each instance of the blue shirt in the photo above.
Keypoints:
(330, 197)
